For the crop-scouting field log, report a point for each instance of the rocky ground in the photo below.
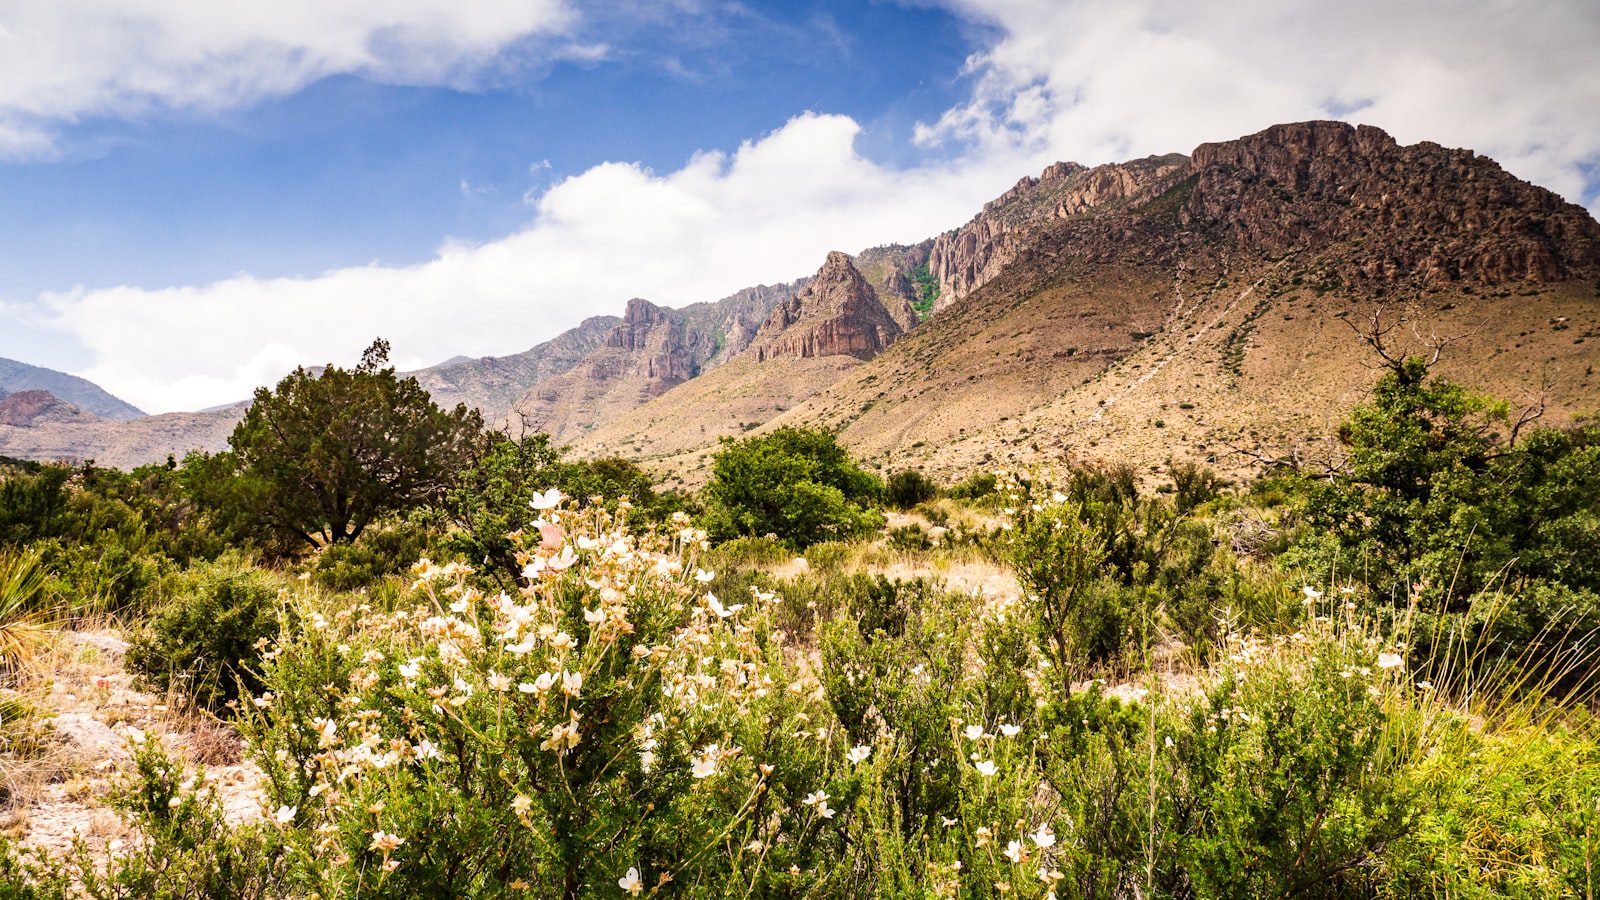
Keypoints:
(58, 798)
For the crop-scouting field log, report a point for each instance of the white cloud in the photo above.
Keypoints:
(64, 60)
(1101, 80)
(768, 212)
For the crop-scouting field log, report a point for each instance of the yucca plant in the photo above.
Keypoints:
(24, 625)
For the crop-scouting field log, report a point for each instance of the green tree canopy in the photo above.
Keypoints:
(324, 454)
(796, 483)
(1447, 500)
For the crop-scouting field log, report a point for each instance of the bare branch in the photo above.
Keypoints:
(1531, 413)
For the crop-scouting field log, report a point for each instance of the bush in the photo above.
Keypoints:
(376, 554)
(205, 641)
(975, 486)
(910, 537)
(492, 500)
(749, 551)
(182, 847)
(610, 718)
(1193, 485)
(828, 556)
(796, 484)
(1442, 502)
(908, 487)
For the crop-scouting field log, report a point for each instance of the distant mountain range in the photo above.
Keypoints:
(1183, 307)
(85, 395)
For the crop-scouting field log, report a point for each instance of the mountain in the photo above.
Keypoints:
(651, 350)
(1207, 306)
(16, 377)
(26, 409)
(1202, 307)
(809, 340)
(123, 445)
(837, 314)
(491, 384)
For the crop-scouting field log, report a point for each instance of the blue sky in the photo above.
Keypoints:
(196, 200)
(348, 170)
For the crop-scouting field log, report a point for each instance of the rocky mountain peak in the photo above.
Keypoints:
(1288, 153)
(26, 409)
(1419, 210)
(645, 325)
(967, 258)
(837, 313)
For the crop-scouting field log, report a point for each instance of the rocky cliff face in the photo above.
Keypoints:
(656, 339)
(641, 357)
(837, 314)
(969, 257)
(1392, 211)
(892, 271)
(1422, 209)
(721, 330)
(648, 352)
(27, 409)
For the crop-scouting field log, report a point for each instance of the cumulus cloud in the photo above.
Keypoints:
(767, 212)
(1099, 80)
(65, 60)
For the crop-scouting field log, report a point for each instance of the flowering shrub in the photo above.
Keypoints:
(612, 725)
(630, 723)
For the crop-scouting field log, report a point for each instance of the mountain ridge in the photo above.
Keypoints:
(1100, 309)
(16, 376)
(1177, 304)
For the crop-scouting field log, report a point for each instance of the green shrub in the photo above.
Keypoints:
(492, 499)
(889, 665)
(975, 486)
(206, 639)
(796, 484)
(378, 553)
(1442, 502)
(1193, 485)
(749, 551)
(909, 487)
(910, 537)
(498, 738)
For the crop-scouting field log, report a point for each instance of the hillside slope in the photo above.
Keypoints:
(1197, 307)
(809, 341)
(124, 445)
(649, 351)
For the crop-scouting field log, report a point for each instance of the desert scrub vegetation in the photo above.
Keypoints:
(615, 727)
(550, 678)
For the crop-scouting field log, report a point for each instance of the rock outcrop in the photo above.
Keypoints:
(27, 409)
(492, 384)
(87, 396)
(1423, 209)
(967, 258)
(1394, 211)
(648, 352)
(837, 314)
(893, 271)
